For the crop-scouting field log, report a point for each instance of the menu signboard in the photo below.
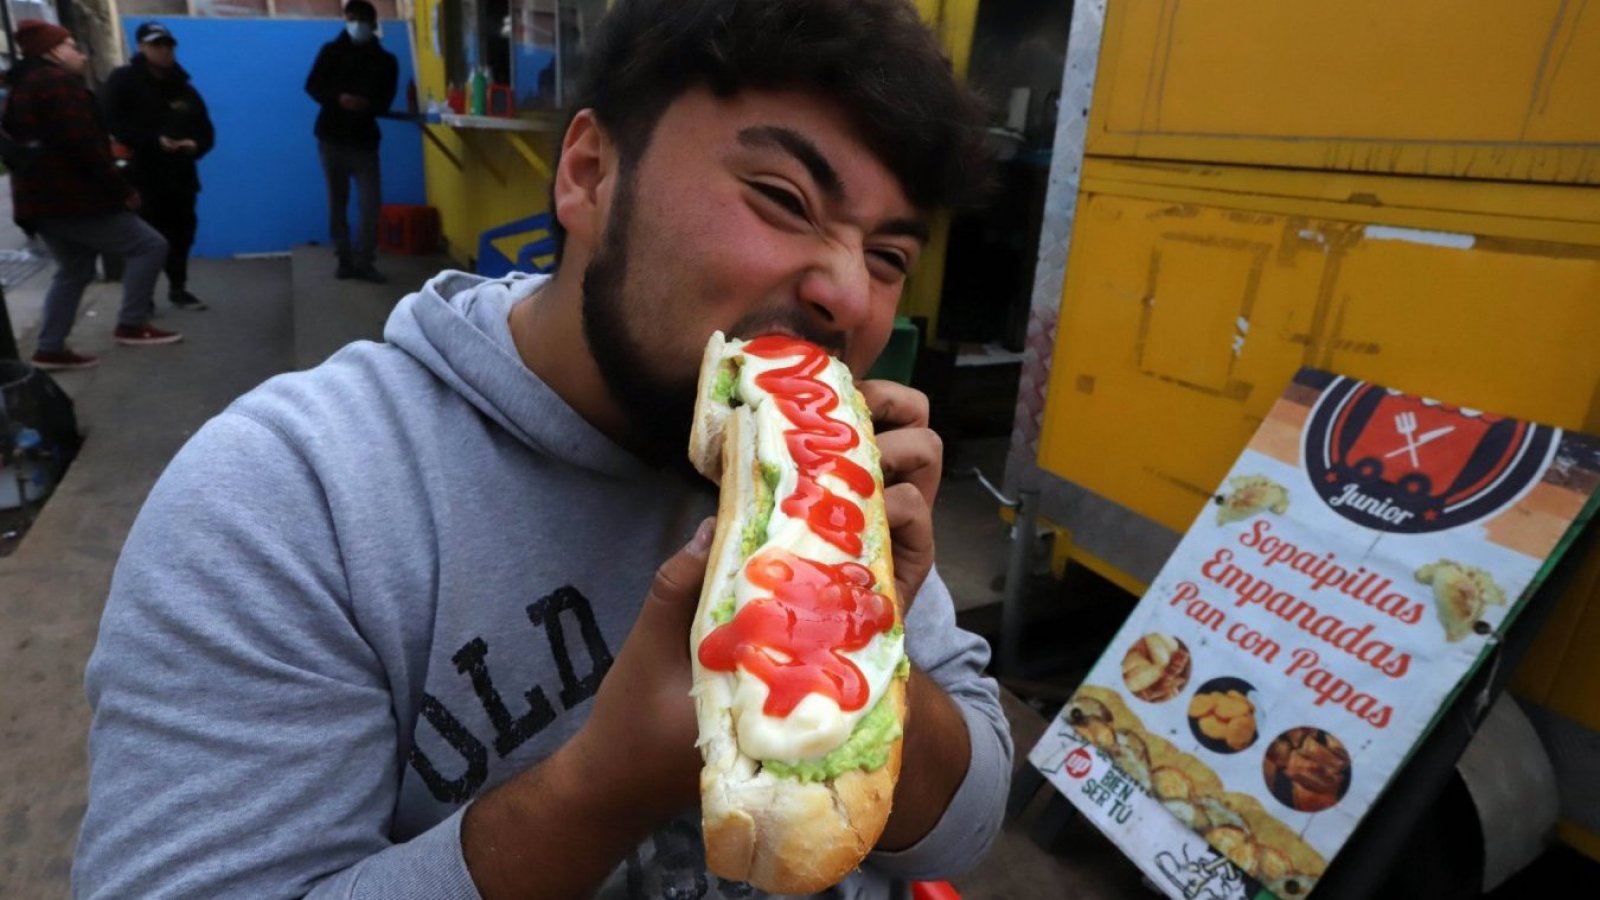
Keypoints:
(1362, 556)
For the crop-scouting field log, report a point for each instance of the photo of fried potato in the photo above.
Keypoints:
(1251, 494)
(1307, 769)
(1222, 716)
(1156, 667)
(1461, 594)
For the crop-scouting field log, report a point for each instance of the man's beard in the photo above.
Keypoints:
(659, 406)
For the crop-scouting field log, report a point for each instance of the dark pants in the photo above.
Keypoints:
(342, 164)
(75, 241)
(172, 214)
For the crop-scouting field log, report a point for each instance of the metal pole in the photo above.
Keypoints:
(8, 337)
(561, 80)
(11, 39)
(1013, 603)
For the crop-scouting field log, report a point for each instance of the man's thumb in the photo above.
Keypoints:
(676, 589)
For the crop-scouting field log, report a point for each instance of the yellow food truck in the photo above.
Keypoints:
(1406, 193)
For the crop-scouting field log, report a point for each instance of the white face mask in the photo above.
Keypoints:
(360, 32)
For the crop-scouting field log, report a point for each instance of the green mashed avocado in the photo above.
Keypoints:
(867, 748)
(755, 531)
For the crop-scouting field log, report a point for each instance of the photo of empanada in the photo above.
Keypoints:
(1249, 495)
(1461, 594)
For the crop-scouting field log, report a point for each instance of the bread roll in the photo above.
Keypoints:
(799, 592)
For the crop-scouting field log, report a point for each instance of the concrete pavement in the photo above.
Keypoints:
(135, 410)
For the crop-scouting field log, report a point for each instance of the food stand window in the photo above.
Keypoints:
(531, 47)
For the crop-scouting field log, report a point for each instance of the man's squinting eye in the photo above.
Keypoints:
(893, 258)
(784, 199)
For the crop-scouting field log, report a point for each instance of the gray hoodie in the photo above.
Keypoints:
(366, 593)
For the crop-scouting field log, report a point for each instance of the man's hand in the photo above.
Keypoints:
(133, 201)
(558, 829)
(937, 746)
(913, 461)
(354, 102)
(640, 738)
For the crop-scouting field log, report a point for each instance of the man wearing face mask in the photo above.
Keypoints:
(353, 80)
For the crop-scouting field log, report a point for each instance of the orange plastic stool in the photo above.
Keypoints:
(408, 229)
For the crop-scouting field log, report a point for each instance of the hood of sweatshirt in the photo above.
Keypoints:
(456, 326)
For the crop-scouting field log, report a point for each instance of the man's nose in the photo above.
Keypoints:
(837, 288)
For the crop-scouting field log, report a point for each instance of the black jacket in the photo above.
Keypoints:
(346, 67)
(141, 107)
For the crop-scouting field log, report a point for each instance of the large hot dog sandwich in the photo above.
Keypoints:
(798, 648)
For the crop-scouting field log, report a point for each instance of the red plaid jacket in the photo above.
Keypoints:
(74, 175)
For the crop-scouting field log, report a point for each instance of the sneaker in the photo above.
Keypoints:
(369, 275)
(346, 270)
(57, 360)
(186, 300)
(144, 336)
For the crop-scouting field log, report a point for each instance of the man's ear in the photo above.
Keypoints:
(585, 178)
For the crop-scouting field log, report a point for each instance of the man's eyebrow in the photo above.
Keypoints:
(822, 172)
(801, 148)
(912, 228)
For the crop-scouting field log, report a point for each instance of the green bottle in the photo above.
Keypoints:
(478, 91)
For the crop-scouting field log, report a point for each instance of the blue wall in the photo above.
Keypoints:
(263, 189)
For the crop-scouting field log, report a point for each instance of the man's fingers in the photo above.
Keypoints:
(911, 535)
(894, 405)
(675, 592)
(914, 455)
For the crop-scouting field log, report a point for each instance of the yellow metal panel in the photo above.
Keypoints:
(1466, 88)
(1538, 212)
(953, 21)
(1562, 671)
(1192, 317)
(1583, 840)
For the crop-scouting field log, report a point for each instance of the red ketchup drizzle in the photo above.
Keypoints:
(816, 612)
(817, 443)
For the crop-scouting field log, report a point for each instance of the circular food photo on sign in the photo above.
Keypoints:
(1307, 769)
(1223, 716)
(1156, 667)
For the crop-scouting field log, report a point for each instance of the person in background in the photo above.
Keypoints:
(73, 196)
(353, 80)
(155, 112)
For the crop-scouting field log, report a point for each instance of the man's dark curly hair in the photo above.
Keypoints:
(874, 58)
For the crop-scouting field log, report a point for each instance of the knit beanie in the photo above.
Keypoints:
(36, 37)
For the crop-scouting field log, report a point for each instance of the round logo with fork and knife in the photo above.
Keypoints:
(1400, 463)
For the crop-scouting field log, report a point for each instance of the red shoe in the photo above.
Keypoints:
(57, 360)
(144, 336)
